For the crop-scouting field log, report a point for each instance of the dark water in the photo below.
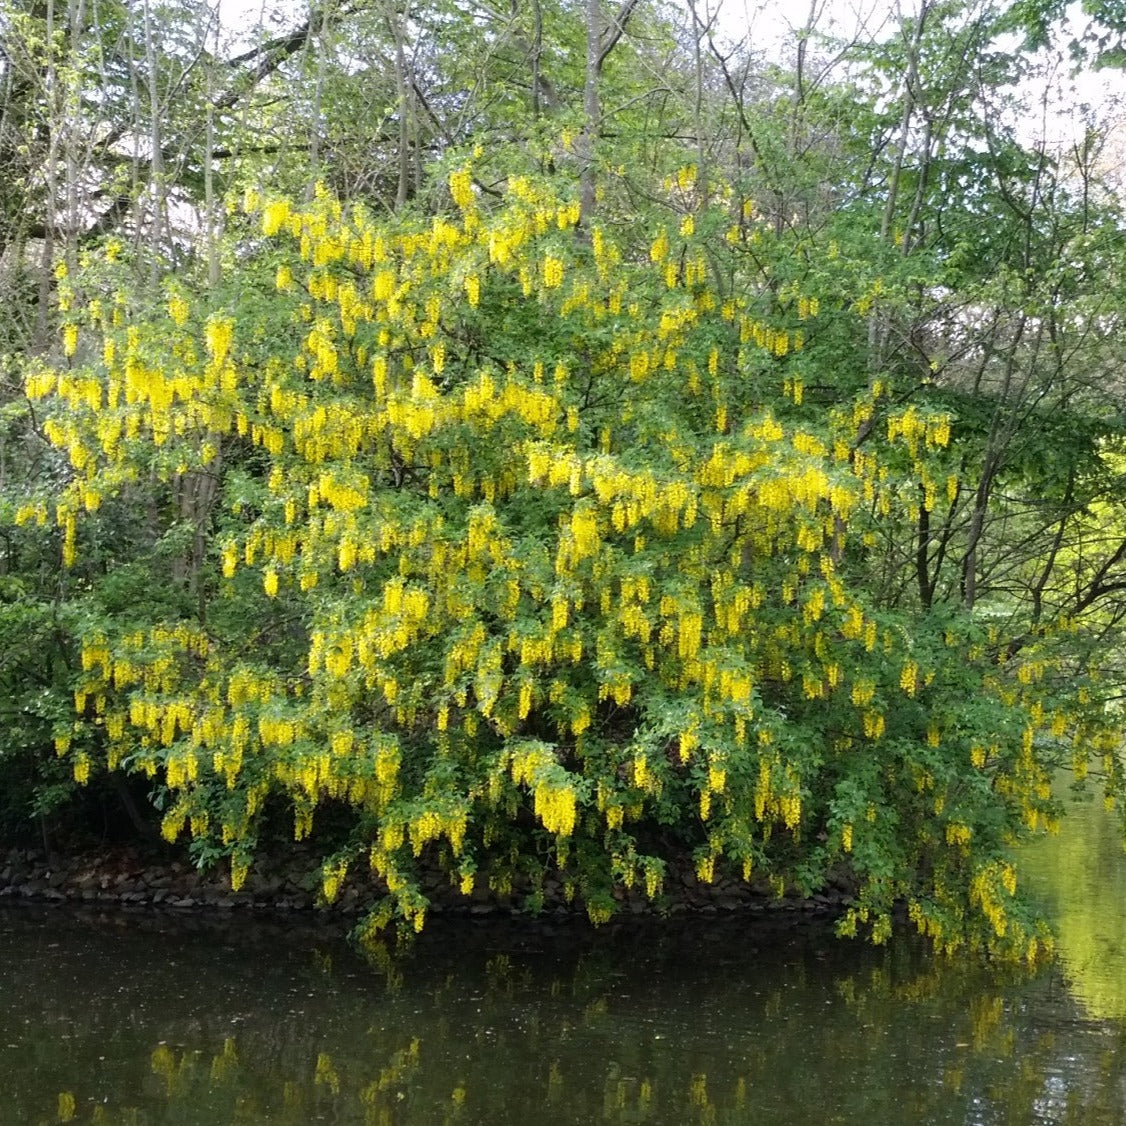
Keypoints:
(140, 1019)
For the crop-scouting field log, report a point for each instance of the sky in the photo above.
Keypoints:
(1061, 95)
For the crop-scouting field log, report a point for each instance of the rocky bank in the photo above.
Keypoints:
(128, 877)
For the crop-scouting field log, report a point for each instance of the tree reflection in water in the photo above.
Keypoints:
(1081, 876)
(141, 1020)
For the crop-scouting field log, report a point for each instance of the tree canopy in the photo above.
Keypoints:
(582, 447)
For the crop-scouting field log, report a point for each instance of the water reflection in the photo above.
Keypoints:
(137, 1021)
(1081, 877)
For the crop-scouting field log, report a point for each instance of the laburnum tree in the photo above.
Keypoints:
(543, 548)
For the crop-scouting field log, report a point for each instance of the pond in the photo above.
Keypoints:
(147, 1018)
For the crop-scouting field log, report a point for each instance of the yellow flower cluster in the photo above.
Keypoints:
(992, 887)
(461, 188)
(490, 556)
(556, 804)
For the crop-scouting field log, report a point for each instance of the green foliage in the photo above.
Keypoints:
(536, 555)
(770, 519)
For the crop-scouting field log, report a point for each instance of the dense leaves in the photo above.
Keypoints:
(769, 519)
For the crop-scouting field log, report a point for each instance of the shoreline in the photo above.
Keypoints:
(126, 877)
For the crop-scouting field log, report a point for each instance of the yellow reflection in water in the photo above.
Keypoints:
(697, 1032)
(1081, 875)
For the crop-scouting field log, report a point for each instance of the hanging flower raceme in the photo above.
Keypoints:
(532, 561)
